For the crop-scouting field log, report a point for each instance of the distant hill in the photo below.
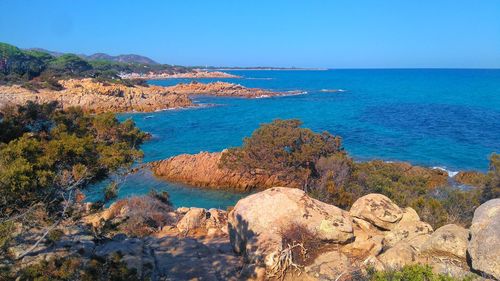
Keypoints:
(130, 58)
(46, 67)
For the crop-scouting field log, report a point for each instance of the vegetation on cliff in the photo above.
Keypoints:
(39, 69)
(322, 168)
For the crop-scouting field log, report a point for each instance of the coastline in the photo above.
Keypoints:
(190, 75)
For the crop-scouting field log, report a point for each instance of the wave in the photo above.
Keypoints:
(284, 94)
(449, 172)
(332, 90)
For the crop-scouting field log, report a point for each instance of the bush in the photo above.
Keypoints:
(411, 273)
(54, 236)
(6, 230)
(110, 191)
(284, 149)
(75, 268)
(46, 150)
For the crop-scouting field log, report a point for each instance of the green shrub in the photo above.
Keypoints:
(54, 236)
(110, 191)
(412, 273)
(284, 149)
(45, 150)
(6, 230)
(74, 268)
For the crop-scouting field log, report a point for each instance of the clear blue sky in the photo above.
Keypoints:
(334, 34)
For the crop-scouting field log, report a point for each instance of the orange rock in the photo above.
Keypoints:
(99, 97)
(203, 170)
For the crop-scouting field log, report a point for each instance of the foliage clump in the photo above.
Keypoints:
(35, 69)
(412, 273)
(76, 268)
(47, 152)
(283, 148)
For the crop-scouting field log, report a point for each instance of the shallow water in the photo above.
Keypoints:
(436, 118)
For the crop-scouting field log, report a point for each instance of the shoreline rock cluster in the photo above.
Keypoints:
(203, 170)
(222, 89)
(98, 97)
(249, 240)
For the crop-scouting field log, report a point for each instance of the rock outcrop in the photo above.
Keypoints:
(258, 222)
(99, 97)
(96, 96)
(471, 178)
(375, 233)
(378, 210)
(223, 89)
(274, 231)
(484, 244)
(203, 170)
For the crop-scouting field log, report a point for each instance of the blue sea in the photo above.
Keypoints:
(435, 118)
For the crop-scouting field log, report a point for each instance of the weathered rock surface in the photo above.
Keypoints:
(378, 210)
(99, 97)
(199, 243)
(407, 228)
(449, 240)
(203, 170)
(484, 244)
(257, 222)
(223, 89)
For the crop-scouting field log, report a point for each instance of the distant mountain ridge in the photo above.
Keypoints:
(128, 58)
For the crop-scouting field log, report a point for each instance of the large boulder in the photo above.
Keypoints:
(257, 223)
(449, 241)
(378, 210)
(484, 244)
(194, 218)
(407, 228)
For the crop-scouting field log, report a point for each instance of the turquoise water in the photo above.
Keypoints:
(435, 118)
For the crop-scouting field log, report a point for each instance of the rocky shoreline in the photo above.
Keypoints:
(223, 89)
(249, 241)
(204, 170)
(97, 97)
(94, 96)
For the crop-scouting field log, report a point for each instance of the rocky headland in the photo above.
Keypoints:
(280, 233)
(96, 96)
(224, 89)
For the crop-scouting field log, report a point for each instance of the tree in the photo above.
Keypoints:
(283, 148)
